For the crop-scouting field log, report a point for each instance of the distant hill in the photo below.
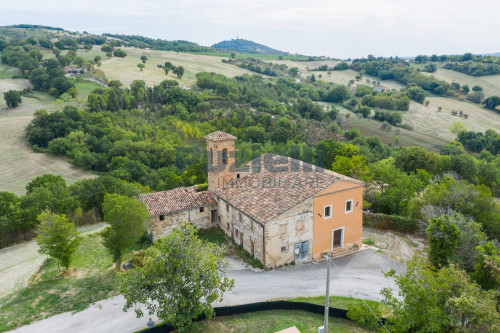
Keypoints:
(247, 46)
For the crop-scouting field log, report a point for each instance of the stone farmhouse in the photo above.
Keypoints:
(280, 209)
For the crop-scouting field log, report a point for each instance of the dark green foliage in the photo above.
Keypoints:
(416, 93)
(247, 46)
(410, 159)
(477, 141)
(474, 68)
(261, 67)
(491, 102)
(120, 53)
(393, 118)
(341, 66)
(159, 44)
(390, 100)
(12, 98)
(399, 70)
(443, 240)
(486, 272)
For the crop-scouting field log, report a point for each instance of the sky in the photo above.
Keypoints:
(334, 28)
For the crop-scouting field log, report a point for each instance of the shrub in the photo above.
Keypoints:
(362, 315)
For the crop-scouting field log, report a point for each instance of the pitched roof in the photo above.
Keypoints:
(179, 199)
(219, 136)
(274, 162)
(276, 184)
(265, 195)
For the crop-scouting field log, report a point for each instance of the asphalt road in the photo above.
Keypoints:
(358, 275)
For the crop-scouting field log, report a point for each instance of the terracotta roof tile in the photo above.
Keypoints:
(182, 198)
(276, 184)
(219, 136)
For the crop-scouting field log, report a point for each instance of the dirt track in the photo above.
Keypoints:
(19, 262)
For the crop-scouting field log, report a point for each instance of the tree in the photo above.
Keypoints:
(443, 240)
(466, 253)
(491, 102)
(439, 301)
(179, 71)
(141, 66)
(128, 219)
(293, 72)
(57, 237)
(144, 59)
(477, 88)
(353, 166)
(181, 278)
(487, 270)
(457, 127)
(12, 98)
(120, 53)
(88, 47)
(106, 48)
(410, 159)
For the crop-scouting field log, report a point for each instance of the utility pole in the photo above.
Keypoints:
(327, 296)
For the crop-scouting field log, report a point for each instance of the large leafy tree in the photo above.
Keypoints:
(443, 240)
(180, 280)
(57, 237)
(487, 270)
(128, 222)
(439, 301)
(12, 98)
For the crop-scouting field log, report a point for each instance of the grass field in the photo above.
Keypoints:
(126, 70)
(276, 320)
(51, 292)
(8, 71)
(19, 164)
(272, 321)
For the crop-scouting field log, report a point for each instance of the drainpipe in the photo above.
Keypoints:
(264, 245)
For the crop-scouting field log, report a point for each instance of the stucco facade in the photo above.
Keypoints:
(349, 222)
(279, 209)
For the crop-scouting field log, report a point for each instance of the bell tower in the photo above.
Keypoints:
(221, 159)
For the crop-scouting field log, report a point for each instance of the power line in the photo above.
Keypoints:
(369, 308)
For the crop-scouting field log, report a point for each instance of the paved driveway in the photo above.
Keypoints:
(358, 275)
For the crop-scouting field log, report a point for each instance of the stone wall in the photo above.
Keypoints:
(220, 174)
(241, 228)
(160, 228)
(281, 234)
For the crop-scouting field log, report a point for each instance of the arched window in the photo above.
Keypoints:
(224, 156)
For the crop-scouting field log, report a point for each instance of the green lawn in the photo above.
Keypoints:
(8, 71)
(51, 292)
(276, 320)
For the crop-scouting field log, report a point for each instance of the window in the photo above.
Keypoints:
(328, 212)
(211, 156)
(162, 217)
(224, 156)
(283, 249)
(282, 228)
(202, 209)
(228, 226)
(241, 218)
(237, 176)
(227, 207)
(251, 225)
(348, 206)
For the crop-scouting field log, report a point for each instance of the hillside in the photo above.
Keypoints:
(247, 46)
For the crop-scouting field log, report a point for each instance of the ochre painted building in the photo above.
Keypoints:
(280, 209)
